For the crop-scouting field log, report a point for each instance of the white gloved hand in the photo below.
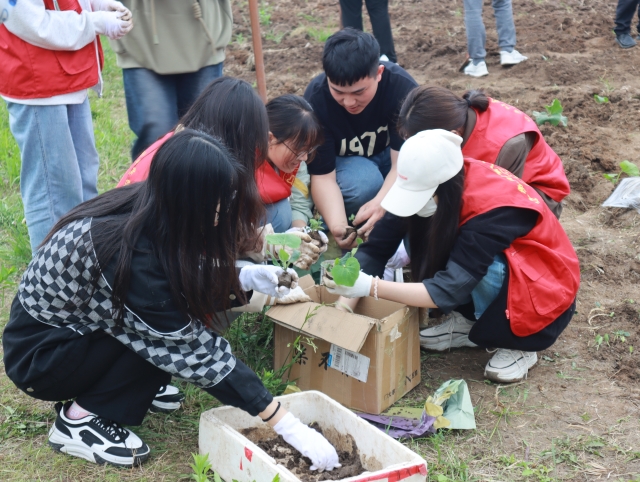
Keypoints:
(309, 252)
(362, 286)
(108, 6)
(296, 295)
(324, 245)
(308, 442)
(111, 24)
(264, 279)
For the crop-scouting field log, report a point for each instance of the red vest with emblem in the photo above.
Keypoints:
(544, 274)
(274, 186)
(499, 123)
(30, 72)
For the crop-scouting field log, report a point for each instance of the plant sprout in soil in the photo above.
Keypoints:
(284, 259)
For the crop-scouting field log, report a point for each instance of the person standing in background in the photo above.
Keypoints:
(351, 16)
(175, 51)
(624, 15)
(477, 36)
(50, 54)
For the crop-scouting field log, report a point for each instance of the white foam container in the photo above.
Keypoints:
(234, 456)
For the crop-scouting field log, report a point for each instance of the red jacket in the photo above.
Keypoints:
(544, 274)
(272, 187)
(499, 123)
(30, 72)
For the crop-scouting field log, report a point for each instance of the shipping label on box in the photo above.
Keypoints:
(365, 360)
(349, 362)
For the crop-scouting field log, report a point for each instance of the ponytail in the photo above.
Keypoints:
(477, 99)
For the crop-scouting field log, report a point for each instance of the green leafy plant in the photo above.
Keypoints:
(283, 258)
(264, 13)
(345, 270)
(201, 467)
(626, 167)
(600, 99)
(553, 115)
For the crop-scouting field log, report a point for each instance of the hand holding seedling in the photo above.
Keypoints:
(266, 279)
(368, 215)
(309, 252)
(345, 236)
(283, 258)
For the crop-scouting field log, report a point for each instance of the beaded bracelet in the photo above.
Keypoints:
(273, 414)
(375, 288)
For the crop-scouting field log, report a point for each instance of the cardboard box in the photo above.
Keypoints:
(366, 361)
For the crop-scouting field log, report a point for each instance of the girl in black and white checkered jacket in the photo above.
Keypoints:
(130, 289)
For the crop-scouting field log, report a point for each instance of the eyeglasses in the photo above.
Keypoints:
(301, 155)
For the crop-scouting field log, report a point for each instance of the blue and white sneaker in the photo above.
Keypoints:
(96, 439)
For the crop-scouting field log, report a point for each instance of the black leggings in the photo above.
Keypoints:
(379, 15)
(112, 381)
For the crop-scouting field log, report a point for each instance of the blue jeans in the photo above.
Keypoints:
(59, 161)
(156, 102)
(279, 215)
(360, 178)
(476, 35)
(624, 15)
(489, 287)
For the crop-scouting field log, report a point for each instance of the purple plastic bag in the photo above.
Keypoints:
(401, 427)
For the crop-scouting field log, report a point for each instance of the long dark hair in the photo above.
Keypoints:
(431, 239)
(291, 119)
(192, 181)
(230, 109)
(429, 107)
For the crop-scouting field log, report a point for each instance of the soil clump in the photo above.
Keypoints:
(285, 279)
(299, 465)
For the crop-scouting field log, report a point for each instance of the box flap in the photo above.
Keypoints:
(343, 329)
(306, 282)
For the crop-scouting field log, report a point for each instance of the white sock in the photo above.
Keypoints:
(76, 412)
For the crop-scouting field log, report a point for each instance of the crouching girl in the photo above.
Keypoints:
(129, 289)
(484, 243)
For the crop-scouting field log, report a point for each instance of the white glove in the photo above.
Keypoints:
(322, 245)
(111, 24)
(309, 252)
(108, 6)
(362, 286)
(296, 295)
(308, 442)
(264, 279)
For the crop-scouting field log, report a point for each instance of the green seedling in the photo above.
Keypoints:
(621, 335)
(553, 115)
(600, 99)
(265, 15)
(315, 225)
(346, 270)
(626, 167)
(200, 468)
(284, 259)
(598, 341)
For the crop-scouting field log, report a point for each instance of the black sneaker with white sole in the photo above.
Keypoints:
(97, 440)
(167, 400)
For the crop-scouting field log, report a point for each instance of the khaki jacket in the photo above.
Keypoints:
(168, 38)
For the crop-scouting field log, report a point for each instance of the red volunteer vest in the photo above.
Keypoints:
(499, 123)
(544, 274)
(274, 186)
(30, 72)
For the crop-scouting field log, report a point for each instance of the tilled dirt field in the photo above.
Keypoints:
(578, 415)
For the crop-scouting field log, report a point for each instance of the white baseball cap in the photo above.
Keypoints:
(426, 160)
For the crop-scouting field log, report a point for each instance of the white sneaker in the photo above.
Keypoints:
(479, 70)
(97, 440)
(167, 400)
(511, 58)
(453, 333)
(508, 366)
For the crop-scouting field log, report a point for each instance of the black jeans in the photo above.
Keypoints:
(379, 15)
(112, 381)
(624, 15)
